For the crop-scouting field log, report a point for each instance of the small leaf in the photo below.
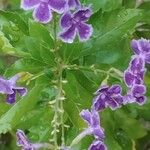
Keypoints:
(5, 46)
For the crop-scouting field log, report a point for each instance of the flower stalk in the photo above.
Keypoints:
(58, 103)
(80, 137)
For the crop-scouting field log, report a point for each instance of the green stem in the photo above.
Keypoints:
(97, 70)
(58, 105)
(80, 137)
(62, 110)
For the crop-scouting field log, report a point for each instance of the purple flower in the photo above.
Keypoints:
(25, 144)
(136, 95)
(137, 64)
(138, 92)
(97, 145)
(135, 73)
(9, 88)
(131, 79)
(43, 8)
(142, 47)
(75, 24)
(108, 97)
(93, 121)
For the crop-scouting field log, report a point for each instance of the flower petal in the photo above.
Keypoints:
(42, 13)
(95, 119)
(73, 3)
(128, 78)
(69, 35)
(147, 58)
(21, 90)
(118, 99)
(58, 6)
(112, 104)
(135, 47)
(103, 88)
(129, 98)
(5, 86)
(11, 98)
(82, 15)
(98, 133)
(137, 64)
(141, 46)
(14, 79)
(85, 31)
(144, 45)
(29, 4)
(138, 90)
(99, 102)
(141, 100)
(115, 89)
(86, 115)
(97, 145)
(22, 140)
(66, 20)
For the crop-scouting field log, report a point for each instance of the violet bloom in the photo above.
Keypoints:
(75, 24)
(142, 47)
(97, 145)
(135, 73)
(25, 144)
(9, 88)
(136, 95)
(73, 4)
(108, 97)
(43, 8)
(138, 92)
(93, 121)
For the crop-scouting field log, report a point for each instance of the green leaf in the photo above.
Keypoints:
(70, 52)
(16, 19)
(39, 52)
(27, 65)
(111, 28)
(12, 117)
(33, 47)
(40, 32)
(72, 111)
(105, 5)
(37, 123)
(123, 140)
(108, 124)
(74, 87)
(77, 97)
(5, 46)
(129, 3)
(129, 124)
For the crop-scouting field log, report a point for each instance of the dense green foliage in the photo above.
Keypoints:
(27, 46)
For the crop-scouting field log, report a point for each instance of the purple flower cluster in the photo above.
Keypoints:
(112, 96)
(9, 88)
(72, 24)
(134, 75)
